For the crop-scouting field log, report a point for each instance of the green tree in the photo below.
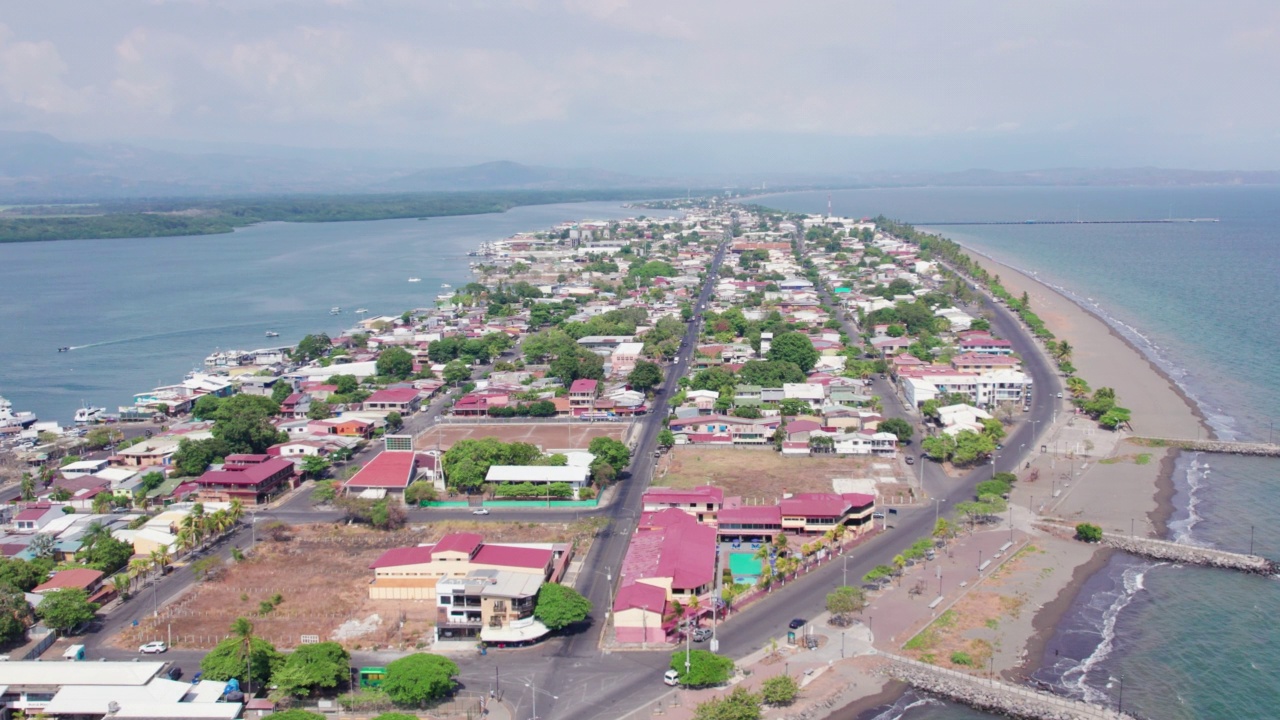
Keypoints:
(20, 574)
(899, 427)
(242, 652)
(107, 554)
(418, 678)
(15, 614)
(705, 668)
(1088, 532)
(611, 451)
(741, 704)
(791, 407)
(280, 392)
(420, 491)
(395, 362)
(666, 438)
(312, 347)
(63, 610)
(206, 408)
(456, 371)
(394, 420)
(560, 605)
(320, 410)
(770, 373)
(315, 466)
(779, 690)
(313, 667)
(645, 376)
(243, 423)
(846, 600)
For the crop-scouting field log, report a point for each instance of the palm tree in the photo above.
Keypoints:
(28, 487)
(1077, 387)
(185, 539)
(1062, 351)
(122, 582)
(95, 532)
(219, 522)
(242, 629)
(236, 511)
(674, 614)
(159, 559)
(139, 566)
(102, 503)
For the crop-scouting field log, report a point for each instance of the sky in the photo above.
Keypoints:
(663, 85)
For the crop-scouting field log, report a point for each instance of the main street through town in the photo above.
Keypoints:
(571, 675)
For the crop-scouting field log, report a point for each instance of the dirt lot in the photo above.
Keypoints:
(322, 573)
(558, 436)
(757, 474)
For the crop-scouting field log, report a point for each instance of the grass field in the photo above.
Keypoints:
(757, 474)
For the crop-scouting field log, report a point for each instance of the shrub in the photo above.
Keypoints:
(961, 658)
(1088, 532)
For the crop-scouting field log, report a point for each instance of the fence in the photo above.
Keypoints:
(594, 502)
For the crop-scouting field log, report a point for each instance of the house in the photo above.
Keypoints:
(134, 690)
(982, 362)
(346, 427)
(702, 502)
(582, 395)
(724, 430)
(82, 467)
(35, 517)
(575, 477)
(866, 442)
(388, 473)
(671, 553)
(624, 357)
(86, 579)
(404, 400)
(251, 479)
(412, 573)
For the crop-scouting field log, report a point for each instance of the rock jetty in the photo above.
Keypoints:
(1212, 446)
(1190, 554)
(994, 696)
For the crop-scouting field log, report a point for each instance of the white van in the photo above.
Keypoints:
(671, 677)
(75, 652)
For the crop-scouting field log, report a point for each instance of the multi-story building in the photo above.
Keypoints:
(495, 606)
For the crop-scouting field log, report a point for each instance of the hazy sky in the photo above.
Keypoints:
(665, 85)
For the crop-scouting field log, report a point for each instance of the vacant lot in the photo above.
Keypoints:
(548, 436)
(321, 572)
(758, 474)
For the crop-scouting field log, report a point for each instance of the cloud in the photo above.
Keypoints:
(32, 76)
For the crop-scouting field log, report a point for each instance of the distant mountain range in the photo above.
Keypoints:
(37, 167)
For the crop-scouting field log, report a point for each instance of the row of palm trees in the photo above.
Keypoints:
(198, 527)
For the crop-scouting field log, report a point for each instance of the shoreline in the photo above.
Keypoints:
(1046, 621)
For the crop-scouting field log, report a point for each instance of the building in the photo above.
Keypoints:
(670, 555)
(493, 606)
(816, 513)
(388, 473)
(251, 479)
(93, 690)
(582, 395)
(575, 477)
(404, 400)
(412, 573)
(624, 357)
(86, 579)
(702, 502)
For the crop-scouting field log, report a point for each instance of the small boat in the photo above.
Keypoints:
(272, 333)
(335, 310)
(64, 349)
(87, 414)
(415, 279)
(361, 311)
(445, 285)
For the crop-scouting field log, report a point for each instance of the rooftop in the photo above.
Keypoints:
(386, 470)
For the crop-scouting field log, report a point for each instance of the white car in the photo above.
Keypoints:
(153, 647)
(481, 511)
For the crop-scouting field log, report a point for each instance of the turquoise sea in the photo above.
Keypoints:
(1203, 301)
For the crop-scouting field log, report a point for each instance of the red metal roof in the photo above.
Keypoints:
(673, 546)
(404, 556)
(583, 386)
(511, 556)
(700, 494)
(641, 595)
(465, 543)
(750, 514)
(393, 395)
(386, 470)
(82, 578)
(815, 505)
(250, 472)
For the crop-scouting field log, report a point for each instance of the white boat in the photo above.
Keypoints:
(361, 311)
(272, 333)
(9, 417)
(335, 310)
(87, 415)
(445, 285)
(415, 279)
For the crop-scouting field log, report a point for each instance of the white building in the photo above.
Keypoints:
(576, 477)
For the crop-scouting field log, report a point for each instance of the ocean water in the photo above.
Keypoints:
(143, 312)
(1201, 300)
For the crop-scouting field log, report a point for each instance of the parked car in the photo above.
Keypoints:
(480, 511)
(911, 460)
(701, 634)
(797, 623)
(175, 673)
(671, 677)
(1059, 396)
(153, 647)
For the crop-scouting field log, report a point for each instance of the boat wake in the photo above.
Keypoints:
(163, 335)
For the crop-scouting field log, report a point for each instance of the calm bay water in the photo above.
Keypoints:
(1201, 299)
(143, 312)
